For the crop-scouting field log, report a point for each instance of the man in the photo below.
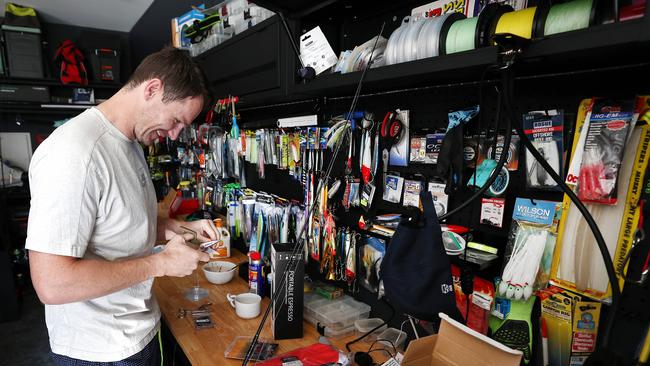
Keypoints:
(93, 220)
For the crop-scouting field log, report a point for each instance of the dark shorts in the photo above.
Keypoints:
(149, 356)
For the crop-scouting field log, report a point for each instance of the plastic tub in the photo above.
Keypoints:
(396, 336)
(337, 314)
(363, 326)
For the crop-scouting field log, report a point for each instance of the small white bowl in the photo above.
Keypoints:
(219, 272)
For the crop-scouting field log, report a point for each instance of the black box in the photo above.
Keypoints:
(287, 310)
(24, 93)
(24, 57)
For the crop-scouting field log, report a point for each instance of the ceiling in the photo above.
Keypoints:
(116, 15)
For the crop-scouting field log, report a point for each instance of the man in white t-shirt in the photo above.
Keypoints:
(93, 219)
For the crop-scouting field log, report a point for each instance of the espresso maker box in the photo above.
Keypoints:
(287, 280)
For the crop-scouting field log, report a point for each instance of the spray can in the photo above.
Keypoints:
(255, 278)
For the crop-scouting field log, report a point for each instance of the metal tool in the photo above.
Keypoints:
(203, 310)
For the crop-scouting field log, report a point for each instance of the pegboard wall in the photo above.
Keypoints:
(428, 107)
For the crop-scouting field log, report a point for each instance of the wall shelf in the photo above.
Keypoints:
(454, 67)
(57, 83)
(41, 108)
(594, 47)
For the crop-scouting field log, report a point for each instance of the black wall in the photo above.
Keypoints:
(39, 121)
(153, 30)
(87, 39)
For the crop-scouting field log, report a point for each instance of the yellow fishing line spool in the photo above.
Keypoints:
(519, 23)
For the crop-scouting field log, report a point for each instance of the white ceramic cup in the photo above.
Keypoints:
(247, 305)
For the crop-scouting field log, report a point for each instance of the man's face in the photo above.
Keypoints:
(161, 119)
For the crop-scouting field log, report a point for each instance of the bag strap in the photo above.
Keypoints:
(429, 209)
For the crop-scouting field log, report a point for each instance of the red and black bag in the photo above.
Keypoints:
(73, 70)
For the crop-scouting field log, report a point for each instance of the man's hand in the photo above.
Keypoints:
(205, 230)
(178, 259)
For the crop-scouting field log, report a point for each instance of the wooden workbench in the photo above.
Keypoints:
(207, 346)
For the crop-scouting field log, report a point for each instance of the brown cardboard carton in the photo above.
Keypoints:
(458, 345)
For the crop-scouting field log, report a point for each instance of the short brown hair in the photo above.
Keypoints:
(181, 76)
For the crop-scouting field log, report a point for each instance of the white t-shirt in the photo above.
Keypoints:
(92, 197)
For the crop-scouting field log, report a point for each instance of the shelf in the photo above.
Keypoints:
(236, 38)
(250, 63)
(456, 67)
(597, 38)
(41, 108)
(67, 106)
(594, 47)
(57, 83)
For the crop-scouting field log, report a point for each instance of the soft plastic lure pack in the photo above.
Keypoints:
(609, 125)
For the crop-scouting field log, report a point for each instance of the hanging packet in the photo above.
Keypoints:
(529, 252)
(412, 189)
(371, 256)
(393, 190)
(488, 149)
(609, 125)
(545, 131)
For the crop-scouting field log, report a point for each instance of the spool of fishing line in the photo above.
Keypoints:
(487, 22)
(410, 40)
(391, 46)
(500, 184)
(461, 36)
(572, 15)
(433, 34)
(524, 23)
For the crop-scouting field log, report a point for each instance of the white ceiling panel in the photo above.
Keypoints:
(117, 15)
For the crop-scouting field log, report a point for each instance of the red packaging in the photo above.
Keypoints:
(480, 301)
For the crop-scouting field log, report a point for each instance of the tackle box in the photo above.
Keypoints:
(336, 316)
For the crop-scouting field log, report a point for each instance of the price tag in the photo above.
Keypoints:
(481, 300)
(492, 211)
(391, 362)
(316, 52)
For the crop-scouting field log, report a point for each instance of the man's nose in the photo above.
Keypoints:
(174, 132)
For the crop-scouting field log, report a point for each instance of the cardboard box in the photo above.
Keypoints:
(470, 8)
(456, 345)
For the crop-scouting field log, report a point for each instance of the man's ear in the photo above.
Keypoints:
(152, 88)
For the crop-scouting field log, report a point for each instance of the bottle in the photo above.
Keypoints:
(223, 246)
(255, 278)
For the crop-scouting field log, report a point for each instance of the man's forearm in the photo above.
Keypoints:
(166, 228)
(60, 280)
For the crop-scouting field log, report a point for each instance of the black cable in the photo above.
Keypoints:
(380, 350)
(2, 165)
(291, 40)
(493, 176)
(298, 248)
(392, 315)
(383, 349)
(174, 353)
(602, 246)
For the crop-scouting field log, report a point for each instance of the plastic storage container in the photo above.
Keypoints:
(396, 336)
(336, 316)
(363, 326)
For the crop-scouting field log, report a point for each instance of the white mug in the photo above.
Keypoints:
(247, 305)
